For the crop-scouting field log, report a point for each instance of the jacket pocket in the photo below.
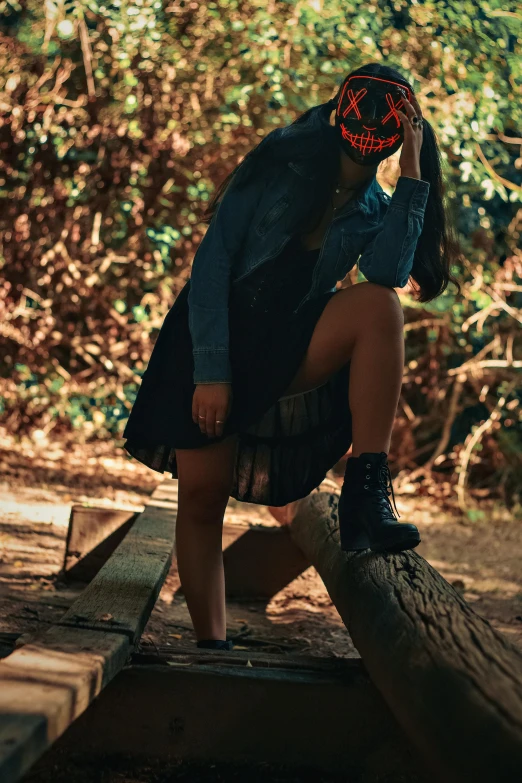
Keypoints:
(272, 215)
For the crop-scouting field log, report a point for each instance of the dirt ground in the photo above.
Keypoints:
(116, 770)
(481, 559)
(38, 487)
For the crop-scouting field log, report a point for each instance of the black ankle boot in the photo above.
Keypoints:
(214, 644)
(366, 518)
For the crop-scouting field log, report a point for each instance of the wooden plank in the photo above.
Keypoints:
(46, 685)
(93, 534)
(453, 682)
(122, 595)
(333, 720)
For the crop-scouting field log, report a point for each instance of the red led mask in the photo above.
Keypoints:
(369, 128)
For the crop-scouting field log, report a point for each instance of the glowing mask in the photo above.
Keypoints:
(369, 128)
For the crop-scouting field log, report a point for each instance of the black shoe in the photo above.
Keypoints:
(366, 518)
(215, 644)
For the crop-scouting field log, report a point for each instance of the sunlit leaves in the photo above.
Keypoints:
(113, 174)
(120, 305)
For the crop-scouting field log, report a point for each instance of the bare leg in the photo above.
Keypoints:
(205, 479)
(363, 324)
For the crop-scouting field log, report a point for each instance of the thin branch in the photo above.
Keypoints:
(489, 167)
(517, 314)
(487, 363)
(424, 322)
(448, 423)
(87, 57)
(473, 441)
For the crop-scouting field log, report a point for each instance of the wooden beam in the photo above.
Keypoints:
(93, 534)
(300, 711)
(453, 682)
(46, 685)
(122, 595)
(259, 560)
(48, 682)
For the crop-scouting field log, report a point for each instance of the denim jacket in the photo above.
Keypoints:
(251, 226)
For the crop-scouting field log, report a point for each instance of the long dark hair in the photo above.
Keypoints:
(438, 248)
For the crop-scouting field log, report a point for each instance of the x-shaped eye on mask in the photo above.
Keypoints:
(364, 118)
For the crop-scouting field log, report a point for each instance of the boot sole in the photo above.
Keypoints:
(360, 541)
(410, 542)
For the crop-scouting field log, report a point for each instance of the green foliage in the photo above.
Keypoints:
(118, 120)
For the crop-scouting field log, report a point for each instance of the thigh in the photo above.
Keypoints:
(348, 311)
(205, 474)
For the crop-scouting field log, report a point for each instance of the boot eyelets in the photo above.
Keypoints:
(366, 486)
(368, 475)
(368, 466)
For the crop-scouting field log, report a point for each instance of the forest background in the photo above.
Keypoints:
(119, 120)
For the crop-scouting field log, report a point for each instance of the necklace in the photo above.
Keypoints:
(342, 187)
(338, 190)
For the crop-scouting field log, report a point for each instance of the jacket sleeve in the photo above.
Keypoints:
(210, 279)
(388, 257)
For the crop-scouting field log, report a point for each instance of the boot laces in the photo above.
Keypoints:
(387, 484)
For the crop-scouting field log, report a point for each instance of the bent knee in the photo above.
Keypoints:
(377, 290)
(380, 303)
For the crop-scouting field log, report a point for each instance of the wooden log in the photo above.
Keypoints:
(46, 685)
(453, 682)
(93, 534)
(122, 595)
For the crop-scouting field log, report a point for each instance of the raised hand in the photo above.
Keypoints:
(409, 160)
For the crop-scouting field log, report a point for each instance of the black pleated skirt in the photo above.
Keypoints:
(286, 445)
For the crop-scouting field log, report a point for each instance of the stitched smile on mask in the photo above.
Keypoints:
(368, 126)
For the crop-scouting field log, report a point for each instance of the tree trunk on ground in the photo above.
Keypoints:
(452, 681)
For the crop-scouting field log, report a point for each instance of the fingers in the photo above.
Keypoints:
(210, 408)
(201, 420)
(412, 111)
(409, 110)
(211, 422)
(406, 124)
(199, 417)
(411, 132)
(415, 103)
(204, 420)
(221, 415)
(195, 411)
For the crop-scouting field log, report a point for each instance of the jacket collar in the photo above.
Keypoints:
(320, 125)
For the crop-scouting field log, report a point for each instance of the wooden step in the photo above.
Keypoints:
(47, 683)
(324, 714)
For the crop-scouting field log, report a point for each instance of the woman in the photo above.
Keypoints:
(263, 372)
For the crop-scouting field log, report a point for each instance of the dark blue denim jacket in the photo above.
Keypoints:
(251, 225)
